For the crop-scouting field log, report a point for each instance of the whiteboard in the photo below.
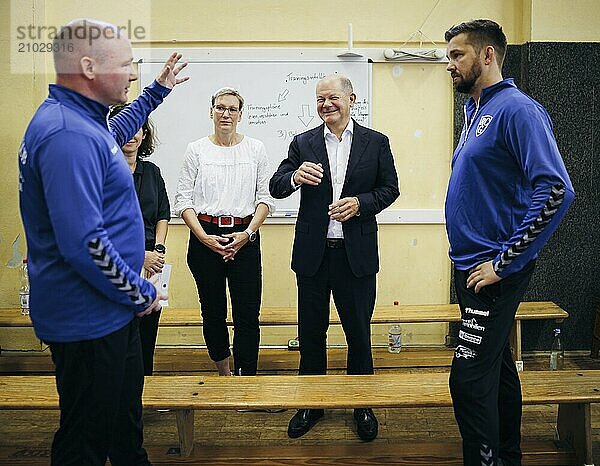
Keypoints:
(279, 102)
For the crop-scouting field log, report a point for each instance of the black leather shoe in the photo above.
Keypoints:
(366, 424)
(302, 421)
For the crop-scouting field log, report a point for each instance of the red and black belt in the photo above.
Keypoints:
(226, 221)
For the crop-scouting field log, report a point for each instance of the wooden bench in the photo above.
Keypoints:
(405, 313)
(573, 391)
(185, 360)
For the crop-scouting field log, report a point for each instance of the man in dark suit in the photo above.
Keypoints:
(346, 176)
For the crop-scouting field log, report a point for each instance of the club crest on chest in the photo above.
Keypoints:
(483, 124)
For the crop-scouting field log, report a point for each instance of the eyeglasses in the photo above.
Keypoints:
(221, 110)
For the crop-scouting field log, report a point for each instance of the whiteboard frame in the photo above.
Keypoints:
(220, 54)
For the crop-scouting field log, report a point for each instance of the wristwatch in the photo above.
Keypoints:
(251, 234)
(160, 248)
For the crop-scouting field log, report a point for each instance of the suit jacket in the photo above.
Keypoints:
(370, 176)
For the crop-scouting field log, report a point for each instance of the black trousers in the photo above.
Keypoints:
(484, 383)
(148, 333)
(100, 384)
(354, 299)
(243, 276)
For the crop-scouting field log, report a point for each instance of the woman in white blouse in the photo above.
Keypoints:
(223, 197)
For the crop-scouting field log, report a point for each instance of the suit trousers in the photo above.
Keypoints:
(244, 279)
(484, 384)
(100, 385)
(354, 299)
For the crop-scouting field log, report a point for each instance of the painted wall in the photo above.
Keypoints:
(565, 21)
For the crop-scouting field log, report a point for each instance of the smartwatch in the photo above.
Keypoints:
(160, 248)
(251, 234)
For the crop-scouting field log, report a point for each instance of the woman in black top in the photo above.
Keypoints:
(156, 211)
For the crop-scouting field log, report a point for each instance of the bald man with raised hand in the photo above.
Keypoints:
(85, 242)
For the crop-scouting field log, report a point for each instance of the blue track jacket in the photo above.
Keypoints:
(509, 188)
(82, 219)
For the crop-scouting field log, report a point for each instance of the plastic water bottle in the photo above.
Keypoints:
(395, 338)
(24, 290)
(557, 353)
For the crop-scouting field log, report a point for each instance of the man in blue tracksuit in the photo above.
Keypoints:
(507, 193)
(85, 242)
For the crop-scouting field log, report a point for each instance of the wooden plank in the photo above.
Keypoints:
(272, 335)
(535, 453)
(405, 313)
(11, 317)
(192, 359)
(277, 359)
(515, 341)
(329, 391)
(357, 454)
(19, 339)
(425, 334)
(384, 314)
(574, 427)
(185, 430)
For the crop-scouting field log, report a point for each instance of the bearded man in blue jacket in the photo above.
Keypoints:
(85, 242)
(507, 193)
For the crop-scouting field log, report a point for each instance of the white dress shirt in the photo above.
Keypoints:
(224, 180)
(338, 153)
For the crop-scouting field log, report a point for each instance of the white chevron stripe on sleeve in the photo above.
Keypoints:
(108, 267)
(556, 198)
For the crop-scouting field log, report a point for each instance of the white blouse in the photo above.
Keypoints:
(218, 180)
